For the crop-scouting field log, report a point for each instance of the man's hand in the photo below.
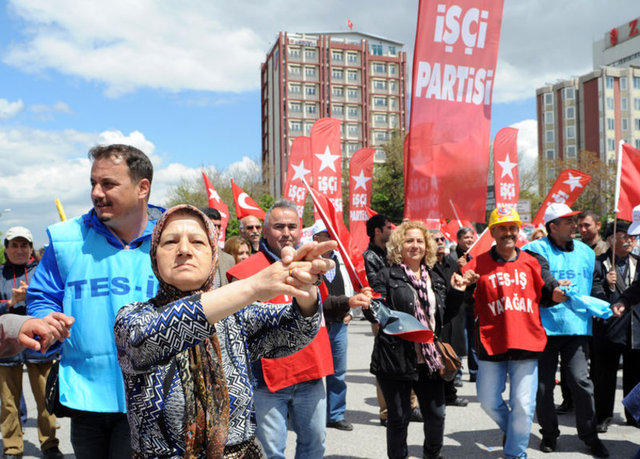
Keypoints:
(360, 300)
(618, 309)
(458, 282)
(347, 319)
(60, 325)
(470, 277)
(558, 295)
(18, 294)
(611, 279)
(32, 329)
(462, 260)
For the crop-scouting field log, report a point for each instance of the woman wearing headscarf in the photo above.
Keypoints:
(411, 285)
(178, 401)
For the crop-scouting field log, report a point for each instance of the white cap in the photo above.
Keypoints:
(558, 210)
(634, 229)
(19, 231)
(318, 227)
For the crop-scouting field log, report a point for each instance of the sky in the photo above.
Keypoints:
(182, 83)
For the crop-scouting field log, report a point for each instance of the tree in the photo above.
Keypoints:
(387, 196)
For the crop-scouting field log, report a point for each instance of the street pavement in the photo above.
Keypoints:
(469, 432)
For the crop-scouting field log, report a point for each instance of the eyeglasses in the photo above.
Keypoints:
(253, 227)
(438, 239)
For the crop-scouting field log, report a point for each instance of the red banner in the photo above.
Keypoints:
(244, 204)
(629, 182)
(216, 203)
(299, 161)
(505, 167)
(361, 174)
(456, 50)
(327, 161)
(566, 189)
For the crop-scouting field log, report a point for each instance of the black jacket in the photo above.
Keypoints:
(394, 357)
(375, 259)
(453, 331)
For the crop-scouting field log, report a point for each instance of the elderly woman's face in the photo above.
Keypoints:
(413, 246)
(243, 253)
(184, 256)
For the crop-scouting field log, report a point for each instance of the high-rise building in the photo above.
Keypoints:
(355, 77)
(592, 112)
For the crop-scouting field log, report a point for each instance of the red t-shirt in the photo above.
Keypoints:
(507, 300)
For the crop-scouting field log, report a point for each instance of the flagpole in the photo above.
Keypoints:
(63, 216)
(616, 198)
(456, 213)
(332, 232)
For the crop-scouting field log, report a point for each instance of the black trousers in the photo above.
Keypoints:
(397, 394)
(574, 354)
(100, 435)
(604, 372)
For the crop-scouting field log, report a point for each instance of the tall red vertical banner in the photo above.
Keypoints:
(627, 181)
(453, 73)
(327, 161)
(216, 203)
(505, 167)
(360, 181)
(299, 167)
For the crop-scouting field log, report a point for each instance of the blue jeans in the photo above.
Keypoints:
(305, 406)
(336, 384)
(100, 435)
(516, 417)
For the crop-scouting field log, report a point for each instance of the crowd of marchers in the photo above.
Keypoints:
(157, 342)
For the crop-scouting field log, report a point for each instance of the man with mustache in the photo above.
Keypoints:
(94, 265)
(251, 229)
(510, 335)
(612, 337)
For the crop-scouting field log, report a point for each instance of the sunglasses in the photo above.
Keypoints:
(438, 239)
(253, 227)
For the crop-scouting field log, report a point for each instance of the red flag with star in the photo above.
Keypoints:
(244, 204)
(505, 167)
(628, 182)
(327, 161)
(360, 175)
(216, 203)
(566, 189)
(299, 168)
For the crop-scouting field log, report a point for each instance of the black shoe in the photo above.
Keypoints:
(416, 416)
(472, 378)
(457, 382)
(340, 425)
(632, 423)
(548, 444)
(52, 453)
(383, 422)
(597, 448)
(564, 408)
(603, 426)
(458, 401)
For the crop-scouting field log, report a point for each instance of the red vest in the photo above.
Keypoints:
(507, 299)
(314, 361)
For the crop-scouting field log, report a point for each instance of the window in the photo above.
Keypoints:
(548, 117)
(623, 83)
(381, 136)
(609, 82)
(549, 136)
(571, 113)
(336, 55)
(636, 82)
(637, 142)
(376, 50)
(295, 70)
(393, 85)
(337, 74)
(353, 130)
(294, 52)
(625, 124)
(307, 128)
(624, 104)
(636, 103)
(571, 151)
(379, 67)
(296, 108)
(295, 89)
(548, 99)
(393, 102)
(380, 101)
(310, 71)
(393, 120)
(392, 50)
(352, 147)
(550, 154)
(611, 125)
(611, 144)
(352, 75)
(571, 132)
(337, 91)
(393, 69)
(310, 53)
(310, 90)
(353, 93)
(296, 126)
(636, 123)
(380, 118)
(310, 108)
(338, 109)
(352, 58)
(354, 112)
(379, 84)
(568, 93)
(610, 103)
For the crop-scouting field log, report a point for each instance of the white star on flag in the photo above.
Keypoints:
(507, 167)
(213, 194)
(573, 182)
(328, 160)
(300, 171)
(361, 181)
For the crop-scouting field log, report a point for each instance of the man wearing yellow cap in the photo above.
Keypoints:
(509, 332)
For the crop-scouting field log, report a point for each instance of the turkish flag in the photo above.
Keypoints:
(566, 189)
(244, 204)
(628, 183)
(360, 182)
(455, 56)
(482, 244)
(327, 161)
(299, 161)
(371, 213)
(216, 203)
(505, 167)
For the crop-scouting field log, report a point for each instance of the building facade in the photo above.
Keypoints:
(355, 77)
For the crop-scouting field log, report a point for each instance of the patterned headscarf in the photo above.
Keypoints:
(200, 367)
